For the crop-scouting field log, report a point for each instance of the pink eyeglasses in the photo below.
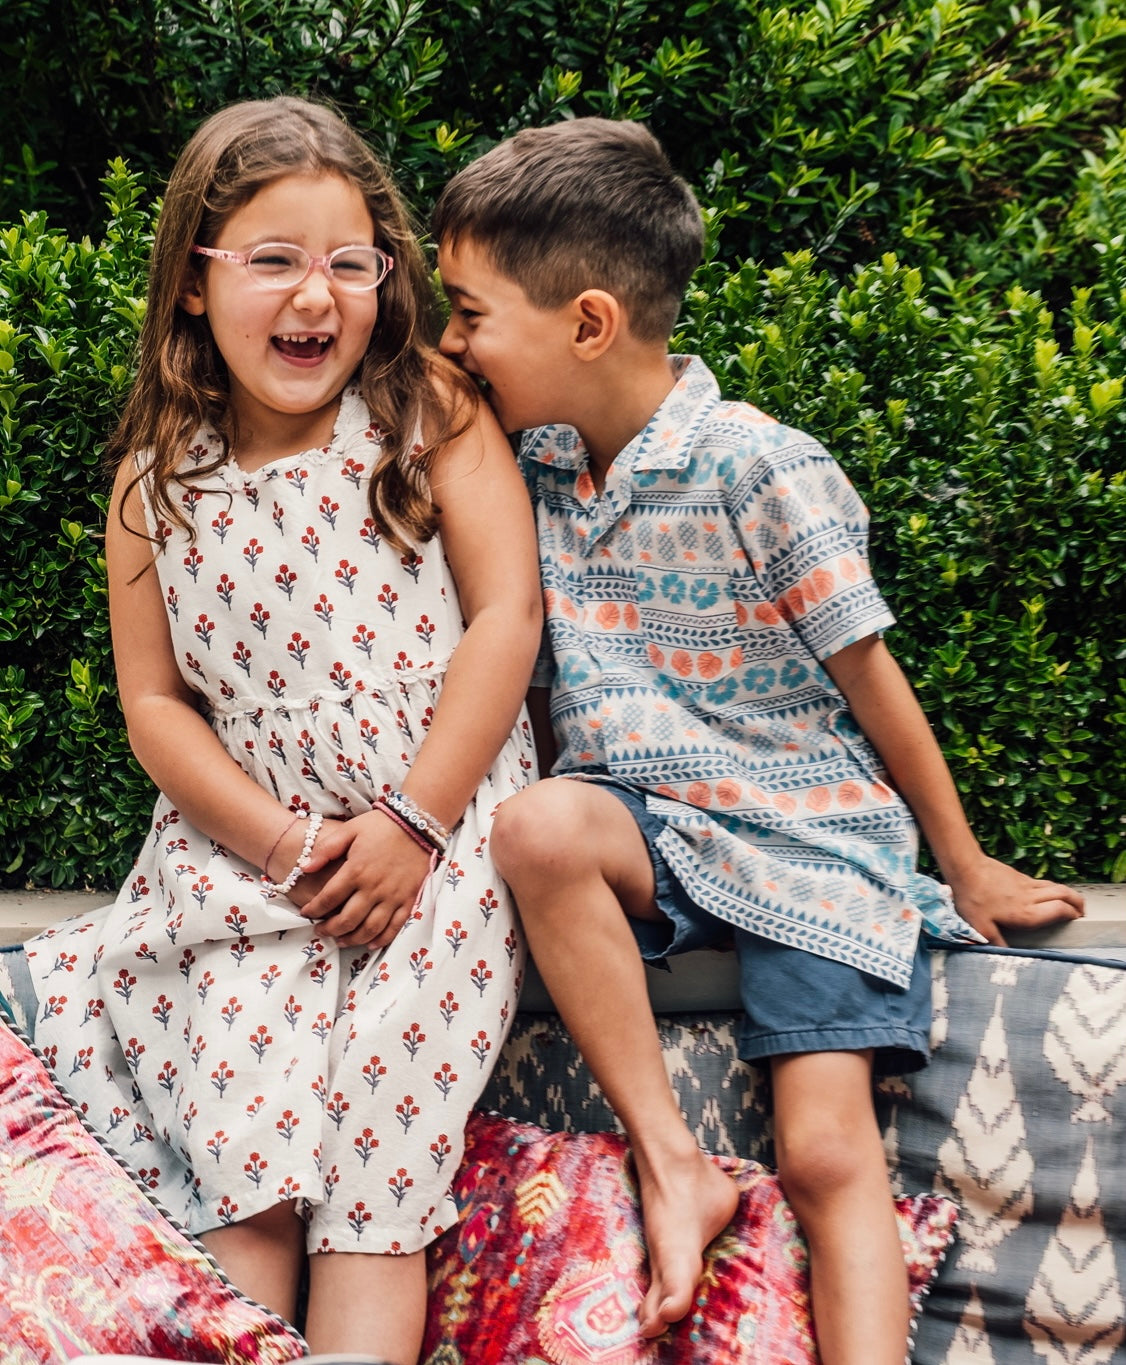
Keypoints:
(281, 265)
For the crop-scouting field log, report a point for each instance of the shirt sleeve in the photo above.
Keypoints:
(804, 530)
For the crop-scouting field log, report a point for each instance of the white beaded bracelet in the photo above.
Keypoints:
(283, 888)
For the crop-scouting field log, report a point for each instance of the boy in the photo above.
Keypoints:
(723, 706)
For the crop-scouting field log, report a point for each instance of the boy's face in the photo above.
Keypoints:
(521, 352)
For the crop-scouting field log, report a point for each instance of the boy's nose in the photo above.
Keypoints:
(451, 343)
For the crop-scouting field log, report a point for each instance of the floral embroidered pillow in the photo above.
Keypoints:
(89, 1263)
(547, 1262)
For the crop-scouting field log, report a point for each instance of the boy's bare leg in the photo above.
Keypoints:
(575, 860)
(833, 1170)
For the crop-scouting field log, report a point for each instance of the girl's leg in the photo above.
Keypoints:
(578, 864)
(833, 1170)
(371, 1305)
(263, 1256)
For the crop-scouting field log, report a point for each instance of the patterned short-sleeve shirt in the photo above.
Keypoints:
(690, 607)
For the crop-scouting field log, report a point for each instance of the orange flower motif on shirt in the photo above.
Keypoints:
(584, 485)
(728, 792)
(850, 794)
(699, 794)
(631, 616)
(608, 614)
(819, 799)
(709, 665)
(784, 802)
(822, 583)
(850, 569)
(681, 663)
(767, 614)
(656, 656)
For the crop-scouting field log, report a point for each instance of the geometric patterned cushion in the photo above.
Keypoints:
(89, 1263)
(1019, 1117)
(548, 1263)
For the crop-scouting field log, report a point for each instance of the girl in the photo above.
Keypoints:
(287, 1015)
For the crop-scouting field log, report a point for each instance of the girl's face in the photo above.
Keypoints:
(289, 352)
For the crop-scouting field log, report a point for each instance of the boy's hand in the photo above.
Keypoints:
(993, 896)
(379, 872)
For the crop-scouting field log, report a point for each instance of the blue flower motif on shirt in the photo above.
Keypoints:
(646, 589)
(759, 680)
(704, 594)
(673, 587)
(722, 690)
(573, 669)
(793, 673)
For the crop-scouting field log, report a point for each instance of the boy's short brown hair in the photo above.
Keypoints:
(589, 203)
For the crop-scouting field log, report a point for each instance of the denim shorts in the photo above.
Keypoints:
(793, 1000)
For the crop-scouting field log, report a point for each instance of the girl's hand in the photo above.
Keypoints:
(285, 854)
(379, 870)
(993, 896)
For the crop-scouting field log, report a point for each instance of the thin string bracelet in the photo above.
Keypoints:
(283, 888)
(419, 838)
(301, 815)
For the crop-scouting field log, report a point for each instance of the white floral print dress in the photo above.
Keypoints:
(233, 1055)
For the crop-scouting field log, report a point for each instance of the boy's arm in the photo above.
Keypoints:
(988, 893)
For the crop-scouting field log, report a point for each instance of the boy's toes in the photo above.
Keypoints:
(662, 1308)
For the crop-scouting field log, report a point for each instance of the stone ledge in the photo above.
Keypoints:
(698, 981)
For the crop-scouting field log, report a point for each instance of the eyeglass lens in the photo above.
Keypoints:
(351, 267)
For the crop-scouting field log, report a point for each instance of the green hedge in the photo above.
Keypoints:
(917, 221)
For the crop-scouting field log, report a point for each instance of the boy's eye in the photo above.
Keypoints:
(468, 314)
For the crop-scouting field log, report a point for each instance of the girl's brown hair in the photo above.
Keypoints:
(417, 399)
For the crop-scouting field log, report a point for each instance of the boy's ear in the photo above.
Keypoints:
(191, 298)
(597, 319)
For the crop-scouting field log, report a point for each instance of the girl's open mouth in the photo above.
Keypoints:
(301, 346)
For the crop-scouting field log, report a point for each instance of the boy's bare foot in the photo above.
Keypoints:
(684, 1206)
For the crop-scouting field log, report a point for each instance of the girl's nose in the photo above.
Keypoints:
(314, 291)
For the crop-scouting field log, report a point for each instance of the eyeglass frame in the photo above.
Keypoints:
(314, 262)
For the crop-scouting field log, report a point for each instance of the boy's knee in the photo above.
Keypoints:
(534, 829)
(819, 1158)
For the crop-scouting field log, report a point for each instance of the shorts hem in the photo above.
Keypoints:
(897, 1049)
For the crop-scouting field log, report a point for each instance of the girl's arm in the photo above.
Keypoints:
(171, 740)
(988, 893)
(488, 536)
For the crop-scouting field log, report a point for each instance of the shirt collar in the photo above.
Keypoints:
(664, 443)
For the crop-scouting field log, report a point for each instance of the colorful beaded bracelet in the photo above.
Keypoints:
(415, 834)
(433, 831)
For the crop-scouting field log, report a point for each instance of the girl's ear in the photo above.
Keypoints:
(191, 296)
(597, 318)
